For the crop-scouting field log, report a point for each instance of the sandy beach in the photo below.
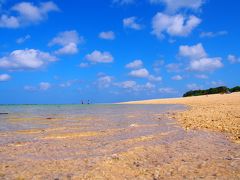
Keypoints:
(112, 142)
(219, 112)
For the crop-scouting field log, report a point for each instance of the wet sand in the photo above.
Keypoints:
(119, 142)
(219, 112)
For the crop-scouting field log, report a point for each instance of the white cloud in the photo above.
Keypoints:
(99, 57)
(177, 78)
(135, 64)
(108, 35)
(167, 90)
(199, 60)
(133, 86)
(4, 77)
(66, 37)
(26, 13)
(26, 59)
(44, 86)
(140, 73)
(174, 5)
(131, 22)
(127, 84)
(213, 34)
(124, 2)
(32, 13)
(104, 81)
(201, 76)
(233, 59)
(192, 52)
(173, 25)
(206, 64)
(8, 21)
(29, 88)
(193, 86)
(83, 65)
(173, 67)
(154, 78)
(149, 85)
(69, 83)
(157, 65)
(70, 48)
(23, 39)
(68, 40)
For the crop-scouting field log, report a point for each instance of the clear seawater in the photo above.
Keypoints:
(24, 117)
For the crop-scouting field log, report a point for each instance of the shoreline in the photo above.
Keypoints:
(217, 112)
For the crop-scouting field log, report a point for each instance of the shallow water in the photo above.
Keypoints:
(49, 141)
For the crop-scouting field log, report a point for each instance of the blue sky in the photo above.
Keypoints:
(115, 50)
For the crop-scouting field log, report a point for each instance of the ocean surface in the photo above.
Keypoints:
(25, 117)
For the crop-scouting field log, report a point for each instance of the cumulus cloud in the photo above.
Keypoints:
(167, 90)
(177, 78)
(4, 77)
(192, 52)
(99, 57)
(104, 81)
(135, 64)
(26, 13)
(157, 65)
(206, 64)
(143, 73)
(83, 65)
(199, 60)
(134, 86)
(23, 39)
(201, 76)
(108, 35)
(173, 67)
(29, 88)
(173, 25)
(213, 34)
(127, 84)
(69, 41)
(149, 85)
(174, 5)
(9, 21)
(70, 48)
(69, 83)
(44, 86)
(131, 22)
(193, 86)
(154, 78)
(140, 73)
(26, 59)
(233, 59)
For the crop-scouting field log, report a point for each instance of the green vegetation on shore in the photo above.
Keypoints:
(217, 90)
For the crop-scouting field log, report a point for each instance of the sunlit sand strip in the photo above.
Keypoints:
(30, 131)
(71, 135)
(45, 130)
(146, 138)
(17, 119)
(94, 133)
(82, 134)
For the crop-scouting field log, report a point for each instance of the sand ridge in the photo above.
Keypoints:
(219, 112)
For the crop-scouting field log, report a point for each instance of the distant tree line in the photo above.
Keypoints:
(217, 90)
